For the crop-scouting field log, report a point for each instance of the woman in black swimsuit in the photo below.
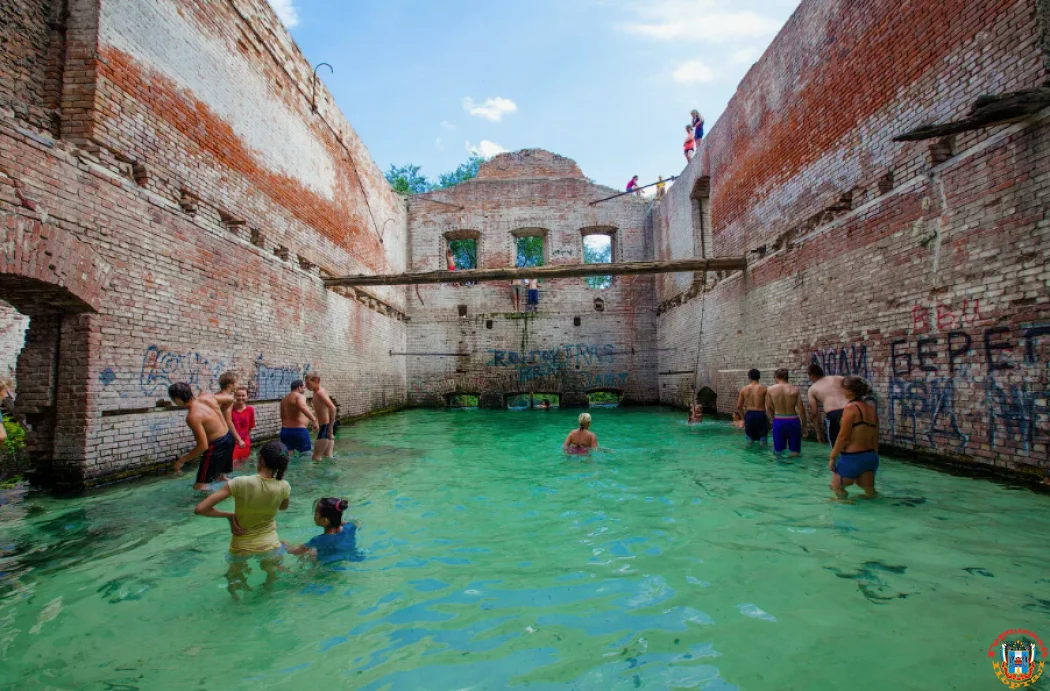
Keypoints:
(855, 457)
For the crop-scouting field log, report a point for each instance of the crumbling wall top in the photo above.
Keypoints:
(530, 163)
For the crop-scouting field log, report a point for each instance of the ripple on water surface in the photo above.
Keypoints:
(677, 559)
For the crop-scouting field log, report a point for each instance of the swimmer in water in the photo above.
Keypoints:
(855, 456)
(752, 408)
(214, 441)
(581, 440)
(738, 422)
(339, 540)
(784, 405)
(256, 501)
(545, 404)
(696, 414)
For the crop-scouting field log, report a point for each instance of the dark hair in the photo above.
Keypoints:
(180, 391)
(754, 375)
(816, 370)
(227, 378)
(274, 456)
(857, 386)
(782, 374)
(297, 384)
(331, 509)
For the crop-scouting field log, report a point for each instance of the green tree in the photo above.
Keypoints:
(597, 249)
(530, 251)
(465, 171)
(407, 180)
(465, 252)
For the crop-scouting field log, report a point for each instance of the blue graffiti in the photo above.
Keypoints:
(929, 406)
(275, 382)
(107, 376)
(162, 368)
(570, 354)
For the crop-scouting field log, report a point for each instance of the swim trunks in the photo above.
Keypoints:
(756, 425)
(296, 439)
(518, 290)
(218, 459)
(833, 423)
(534, 297)
(853, 465)
(787, 433)
(324, 431)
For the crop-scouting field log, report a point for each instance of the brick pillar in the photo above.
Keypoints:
(74, 414)
(80, 76)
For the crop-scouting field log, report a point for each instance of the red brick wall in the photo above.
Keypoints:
(31, 45)
(951, 260)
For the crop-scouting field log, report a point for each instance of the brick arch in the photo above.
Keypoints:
(47, 270)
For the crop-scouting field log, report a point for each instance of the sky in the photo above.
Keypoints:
(607, 83)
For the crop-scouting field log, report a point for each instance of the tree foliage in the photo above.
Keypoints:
(530, 251)
(597, 249)
(408, 180)
(465, 252)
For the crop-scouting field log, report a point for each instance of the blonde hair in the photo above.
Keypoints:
(313, 376)
(585, 420)
(7, 384)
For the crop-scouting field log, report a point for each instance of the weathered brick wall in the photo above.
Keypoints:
(13, 327)
(927, 276)
(31, 45)
(207, 199)
(543, 352)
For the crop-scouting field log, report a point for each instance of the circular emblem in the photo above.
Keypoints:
(1018, 658)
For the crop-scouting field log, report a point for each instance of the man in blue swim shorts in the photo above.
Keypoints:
(296, 419)
(784, 403)
(752, 407)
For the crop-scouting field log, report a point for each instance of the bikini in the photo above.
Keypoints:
(854, 464)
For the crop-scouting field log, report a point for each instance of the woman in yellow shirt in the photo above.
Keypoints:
(257, 499)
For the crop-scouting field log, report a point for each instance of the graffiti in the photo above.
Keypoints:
(571, 354)
(1016, 413)
(944, 317)
(161, 368)
(107, 376)
(274, 382)
(925, 407)
(607, 380)
(843, 361)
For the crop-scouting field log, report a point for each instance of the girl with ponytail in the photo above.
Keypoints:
(339, 540)
(257, 499)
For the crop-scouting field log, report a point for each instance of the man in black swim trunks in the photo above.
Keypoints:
(752, 407)
(215, 442)
(826, 391)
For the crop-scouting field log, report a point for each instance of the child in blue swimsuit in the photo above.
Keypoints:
(339, 540)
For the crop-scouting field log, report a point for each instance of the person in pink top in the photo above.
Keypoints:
(244, 421)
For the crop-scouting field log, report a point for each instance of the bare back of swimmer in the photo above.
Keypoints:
(581, 440)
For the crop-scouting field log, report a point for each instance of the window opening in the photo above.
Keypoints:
(529, 251)
(603, 399)
(598, 249)
(464, 253)
(460, 400)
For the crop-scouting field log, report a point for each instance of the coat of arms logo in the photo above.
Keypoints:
(1018, 658)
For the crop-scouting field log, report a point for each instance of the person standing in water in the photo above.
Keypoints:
(324, 409)
(696, 414)
(225, 398)
(215, 443)
(296, 419)
(243, 416)
(338, 542)
(751, 404)
(855, 455)
(257, 499)
(784, 404)
(827, 392)
(581, 440)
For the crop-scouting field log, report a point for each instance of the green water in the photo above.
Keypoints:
(492, 561)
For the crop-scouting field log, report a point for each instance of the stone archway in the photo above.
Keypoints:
(57, 280)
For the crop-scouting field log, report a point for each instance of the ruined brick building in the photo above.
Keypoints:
(173, 190)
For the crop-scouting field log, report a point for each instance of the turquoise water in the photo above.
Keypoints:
(492, 561)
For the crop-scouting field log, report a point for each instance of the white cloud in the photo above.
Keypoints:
(286, 12)
(700, 20)
(744, 56)
(485, 149)
(438, 144)
(492, 109)
(446, 125)
(693, 72)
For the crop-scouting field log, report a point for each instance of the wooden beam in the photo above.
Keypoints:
(546, 272)
(986, 112)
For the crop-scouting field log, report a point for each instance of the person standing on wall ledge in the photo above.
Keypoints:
(690, 143)
(827, 392)
(751, 404)
(698, 126)
(632, 185)
(296, 419)
(855, 456)
(215, 443)
(660, 186)
(784, 405)
(324, 408)
(534, 296)
(517, 290)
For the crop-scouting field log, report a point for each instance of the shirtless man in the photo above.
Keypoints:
(696, 414)
(226, 397)
(751, 404)
(213, 437)
(828, 392)
(296, 419)
(325, 410)
(784, 405)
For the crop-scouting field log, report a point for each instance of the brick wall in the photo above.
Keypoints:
(192, 200)
(529, 191)
(872, 257)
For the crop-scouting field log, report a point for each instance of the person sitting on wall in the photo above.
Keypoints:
(582, 440)
(698, 126)
(855, 456)
(215, 442)
(632, 184)
(690, 143)
(751, 404)
(826, 391)
(660, 187)
(296, 419)
(696, 414)
(784, 404)
(534, 296)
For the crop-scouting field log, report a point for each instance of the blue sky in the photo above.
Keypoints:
(609, 84)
